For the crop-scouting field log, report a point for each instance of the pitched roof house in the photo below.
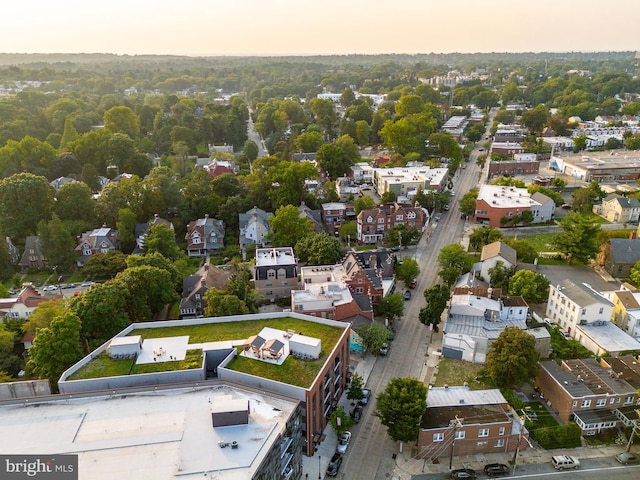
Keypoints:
(619, 255)
(496, 252)
(254, 226)
(370, 273)
(617, 208)
(373, 224)
(204, 235)
(141, 231)
(33, 256)
(314, 215)
(99, 240)
(23, 304)
(194, 287)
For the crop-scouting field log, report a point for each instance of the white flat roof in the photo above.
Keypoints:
(162, 434)
(460, 395)
(132, 340)
(275, 256)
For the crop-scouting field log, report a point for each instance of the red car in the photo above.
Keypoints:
(566, 206)
(413, 284)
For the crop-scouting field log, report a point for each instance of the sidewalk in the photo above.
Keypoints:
(316, 466)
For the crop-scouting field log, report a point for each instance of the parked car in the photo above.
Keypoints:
(366, 394)
(496, 469)
(356, 413)
(566, 206)
(334, 465)
(11, 292)
(343, 442)
(464, 473)
(49, 288)
(627, 458)
(413, 284)
(407, 295)
(384, 349)
(564, 462)
(68, 285)
(88, 284)
(445, 208)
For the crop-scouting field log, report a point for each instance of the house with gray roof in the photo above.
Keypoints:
(618, 255)
(476, 318)
(98, 240)
(370, 273)
(204, 236)
(254, 227)
(618, 209)
(141, 232)
(195, 286)
(314, 215)
(492, 254)
(32, 256)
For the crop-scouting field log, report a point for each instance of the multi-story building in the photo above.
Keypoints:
(204, 236)
(373, 224)
(578, 386)
(619, 255)
(496, 204)
(618, 209)
(407, 181)
(370, 273)
(254, 227)
(99, 240)
(626, 309)
(335, 214)
(275, 272)
(522, 164)
(362, 172)
(507, 149)
(247, 351)
(477, 421)
(602, 167)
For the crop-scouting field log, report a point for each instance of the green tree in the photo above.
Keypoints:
(578, 240)
(553, 195)
(287, 227)
(508, 182)
(437, 297)
(634, 274)
(453, 262)
(388, 197)
(308, 142)
(512, 358)
(348, 232)
(241, 285)
(126, 226)
(499, 275)
(483, 236)
(158, 261)
(401, 407)
(584, 198)
(103, 266)
(532, 286)
(221, 304)
(42, 316)
(373, 335)
(354, 392)
(149, 290)
(579, 143)
(58, 245)
(290, 179)
(75, 206)
(390, 306)
(407, 270)
(69, 134)
(161, 239)
(319, 249)
(333, 160)
(342, 425)
(121, 119)
(56, 348)
(25, 200)
(526, 252)
(467, 203)
(535, 119)
(363, 203)
(250, 150)
(401, 234)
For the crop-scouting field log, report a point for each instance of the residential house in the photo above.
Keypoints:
(577, 387)
(618, 209)
(275, 272)
(346, 189)
(492, 254)
(23, 304)
(362, 172)
(476, 318)
(204, 236)
(618, 255)
(335, 214)
(99, 240)
(314, 215)
(373, 224)
(141, 232)
(626, 309)
(254, 227)
(460, 421)
(220, 167)
(60, 181)
(33, 256)
(507, 149)
(510, 134)
(496, 204)
(325, 293)
(194, 287)
(370, 273)
(585, 315)
(522, 164)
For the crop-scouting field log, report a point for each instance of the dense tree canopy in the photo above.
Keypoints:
(512, 358)
(401, 407)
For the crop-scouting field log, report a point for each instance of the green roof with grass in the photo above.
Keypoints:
(293, 371)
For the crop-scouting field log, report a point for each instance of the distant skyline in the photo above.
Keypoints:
(288, 27)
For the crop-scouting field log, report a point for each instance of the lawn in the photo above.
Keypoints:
(105, 366)
(455, 372)
(541, 417)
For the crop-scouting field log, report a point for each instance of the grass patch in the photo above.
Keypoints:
(293, 371)
(362, 248)
(538, 416)
(455, 372)
(103, 366)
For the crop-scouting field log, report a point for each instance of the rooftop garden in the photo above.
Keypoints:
(293, 371)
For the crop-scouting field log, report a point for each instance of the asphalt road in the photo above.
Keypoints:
(370, 455)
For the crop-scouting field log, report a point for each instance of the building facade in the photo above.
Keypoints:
(275, 272)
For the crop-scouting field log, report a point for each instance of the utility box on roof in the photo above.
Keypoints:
(125, 347)
(303, 345)
(230, 412)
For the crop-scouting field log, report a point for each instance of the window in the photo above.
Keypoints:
(628, 401)
(499, 443)
(399, 218)
(501, 431)
(271, 274)
(196, 241)
(584, 311)
(601, 402)
(359, 290)
(586, 403)
(381, 220)
(601, 310)
(459, 435)
(438, 437)
(575, 403)
(483, 432)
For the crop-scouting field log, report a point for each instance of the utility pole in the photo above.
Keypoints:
(456, 423)
(515, 456)
(636, 425)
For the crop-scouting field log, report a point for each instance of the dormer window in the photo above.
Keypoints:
(369, 219)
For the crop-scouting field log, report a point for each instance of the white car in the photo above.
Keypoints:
(343, 442)
(50, 288)
(88, 284)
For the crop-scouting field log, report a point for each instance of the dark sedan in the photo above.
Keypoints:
(496, 469)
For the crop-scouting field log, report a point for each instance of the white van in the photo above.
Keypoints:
(565, 462)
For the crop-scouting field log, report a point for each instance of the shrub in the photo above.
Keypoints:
(512, 399)
(565, 436)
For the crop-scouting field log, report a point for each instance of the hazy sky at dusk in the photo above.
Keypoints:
(301, 27)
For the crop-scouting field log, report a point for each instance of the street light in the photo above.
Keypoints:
(319, 469)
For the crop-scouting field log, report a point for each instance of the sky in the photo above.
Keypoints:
(321, 27)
